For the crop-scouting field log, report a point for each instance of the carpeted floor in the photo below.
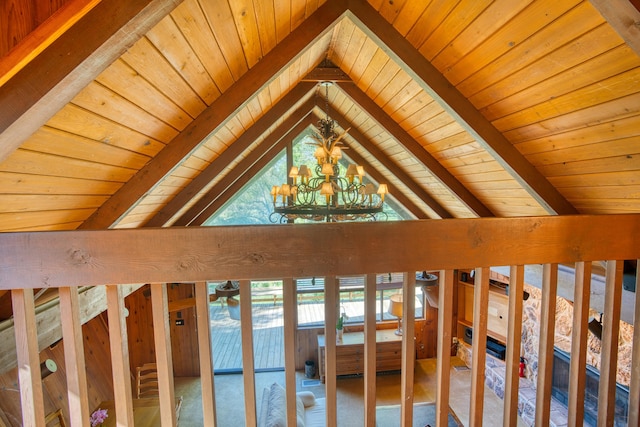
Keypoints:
(424, 414)
(229, 391)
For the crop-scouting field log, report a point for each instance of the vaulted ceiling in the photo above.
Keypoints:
(157, 114)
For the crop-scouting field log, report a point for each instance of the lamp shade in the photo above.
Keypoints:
(326, 189)
(395, 305)
(327, 169)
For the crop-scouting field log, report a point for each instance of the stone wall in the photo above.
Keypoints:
(563, 330)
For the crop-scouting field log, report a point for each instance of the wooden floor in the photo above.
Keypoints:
(268, 330)
(226, 341)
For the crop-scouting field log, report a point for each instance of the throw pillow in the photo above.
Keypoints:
(307, 397)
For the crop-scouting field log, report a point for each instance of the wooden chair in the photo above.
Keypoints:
(55, 419)
(147, 380)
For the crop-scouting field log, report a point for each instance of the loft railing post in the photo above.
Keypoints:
(408, 347)
(545, 352)
(164, 361)
(289, 330)
(370, 350)
(609, 352)
(205, 355)
(579, 346)
(479, 343)
(634, 387)
(331, 310)
(443, 364)
(74, 356)
(248, 369)
(514, 334)
(24, 319)
(119, 356)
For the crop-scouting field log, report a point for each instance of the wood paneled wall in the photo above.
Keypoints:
(184, 338)
(18, 18)
(98, 365)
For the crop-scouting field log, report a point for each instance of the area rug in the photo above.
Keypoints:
(423, 414)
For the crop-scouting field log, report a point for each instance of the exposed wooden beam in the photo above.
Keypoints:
(514, 334)
(48, 317)
(396, 170)
(188, 254)
(165, 215)
(50, 80)
(624, 18)
(255, 161)
(217, 114)
(438, 87)
(327, 74)
(441, 173)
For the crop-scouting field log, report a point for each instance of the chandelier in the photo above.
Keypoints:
(332, 193)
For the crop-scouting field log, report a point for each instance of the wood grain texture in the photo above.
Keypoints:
(610, 338)
(205, 353)
(514, 334)
(446, 290)
(73, 258)
(479, 341)
(579, 335)
(545, 352)
(164, 358)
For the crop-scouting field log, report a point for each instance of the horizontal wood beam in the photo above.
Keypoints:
(66, 66)
(327, 74)
(458, 106)
(188, 254)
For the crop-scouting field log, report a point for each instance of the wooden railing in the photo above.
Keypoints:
(78, 258)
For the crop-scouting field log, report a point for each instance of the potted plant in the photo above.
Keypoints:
(340, 326)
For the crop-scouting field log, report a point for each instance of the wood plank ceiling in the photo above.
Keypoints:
(468, 108)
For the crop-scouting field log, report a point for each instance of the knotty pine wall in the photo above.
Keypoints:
(184, 339)
(98, 365)
(18, 18)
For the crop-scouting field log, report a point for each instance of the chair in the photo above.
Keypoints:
(147, 380)
(56, 418)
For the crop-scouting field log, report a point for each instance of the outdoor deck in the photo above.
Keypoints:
(268, 329)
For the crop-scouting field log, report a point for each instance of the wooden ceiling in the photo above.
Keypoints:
(155, 116)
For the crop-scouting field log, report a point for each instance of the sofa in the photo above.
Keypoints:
(311, 411)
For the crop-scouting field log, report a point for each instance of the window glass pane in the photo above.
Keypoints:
(310, 294)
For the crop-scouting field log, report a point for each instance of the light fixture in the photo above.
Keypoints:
(395, 309)
(334, 193)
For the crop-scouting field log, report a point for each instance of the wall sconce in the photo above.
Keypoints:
(47, 368)
(395, 309)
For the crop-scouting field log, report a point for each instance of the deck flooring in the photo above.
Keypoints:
(268, 331)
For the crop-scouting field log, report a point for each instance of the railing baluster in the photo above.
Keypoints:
(514, 334)
(164, 362)
(545, 352)
(74, 356)
(479, 343)
(445, 333)
(609, 349)
(331, 310)
(24, 320)
(205, 355)
(579, 346)
(248, 370)
(289, 330)
(119, 356)
(370, 350)
(408, 347)
(634, 386)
